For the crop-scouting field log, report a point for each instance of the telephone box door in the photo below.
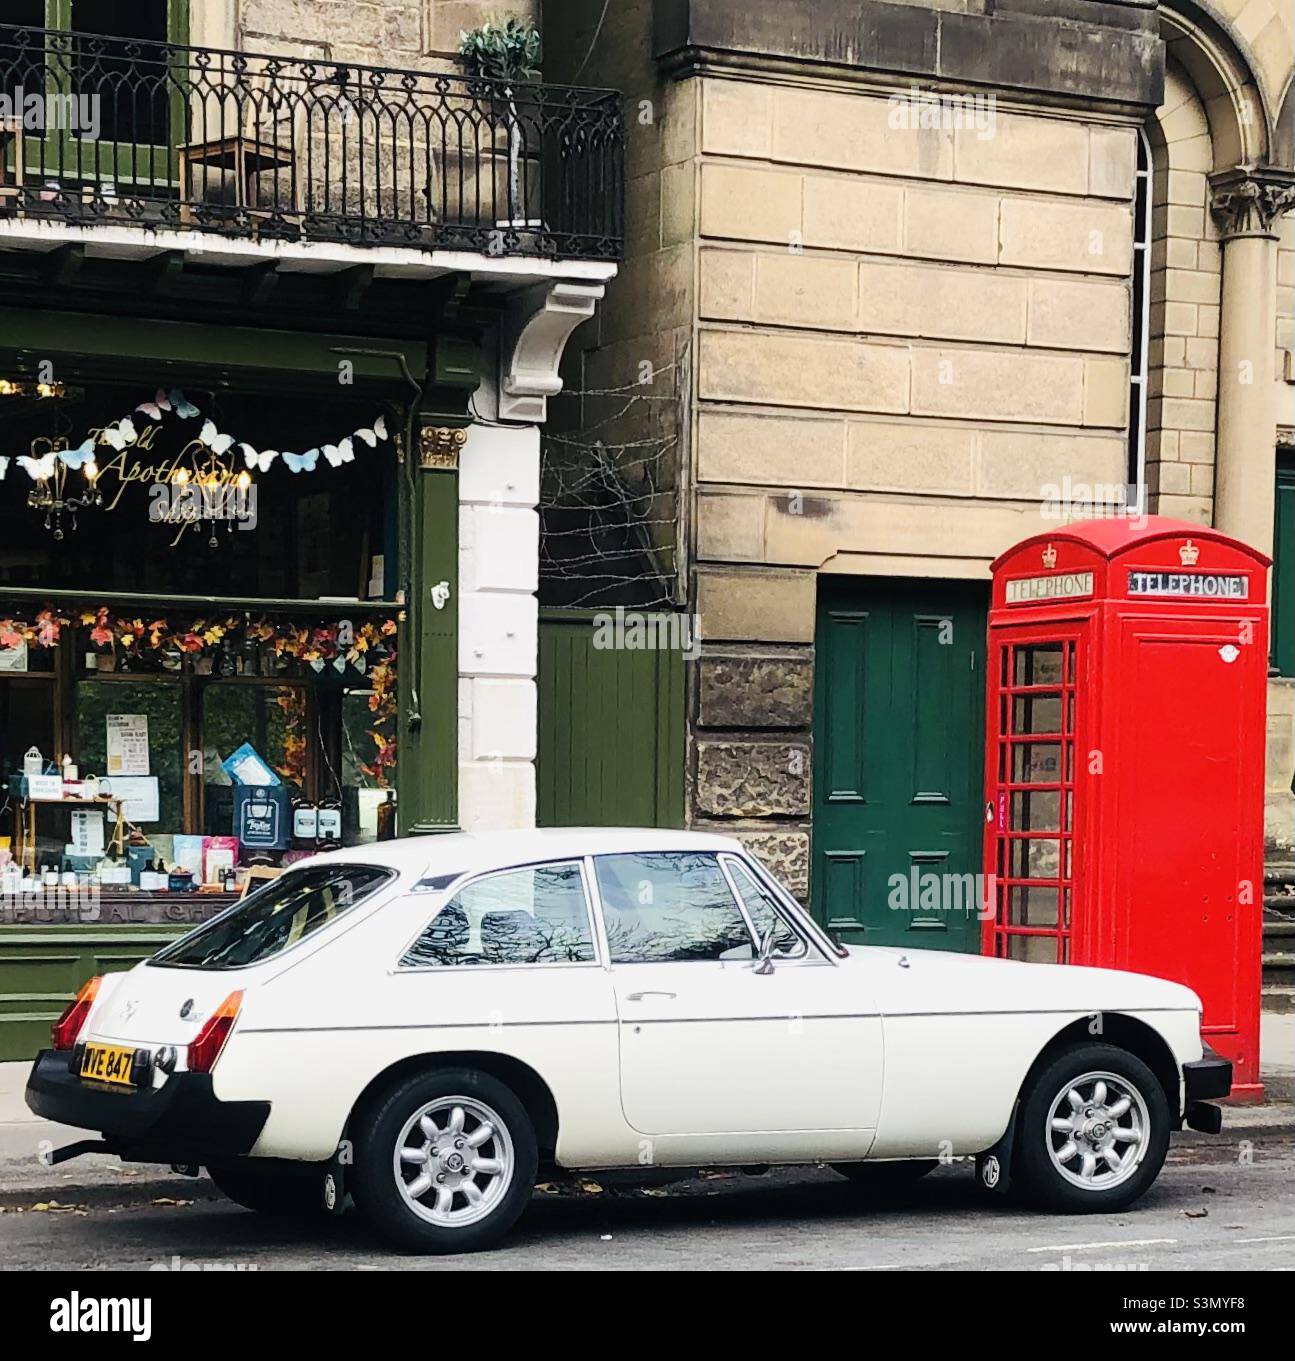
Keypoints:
(1033, 761)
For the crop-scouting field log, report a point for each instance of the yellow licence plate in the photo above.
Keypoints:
(108, 1063)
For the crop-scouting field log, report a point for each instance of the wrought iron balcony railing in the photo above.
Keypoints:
(100, 129)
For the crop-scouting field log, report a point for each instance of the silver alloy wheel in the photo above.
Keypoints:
(1098, 1131)
(454, 1161)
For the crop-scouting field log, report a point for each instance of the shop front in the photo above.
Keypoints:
(203, 586)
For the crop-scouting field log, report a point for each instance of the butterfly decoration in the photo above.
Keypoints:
(4, 466)
(121, 434)
(258, 462)
(372, 434)
(213, 439)
(80, 456)
(302, 462)
(181, 405)
(38, 468)
(154, 409)
(337, 454)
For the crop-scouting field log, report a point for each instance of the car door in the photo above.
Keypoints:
(709, 1046)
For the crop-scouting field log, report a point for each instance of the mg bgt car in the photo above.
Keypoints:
(418, 1027)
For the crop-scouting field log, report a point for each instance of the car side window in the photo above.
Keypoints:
(760, 907)
(669, 905)
(536, 915)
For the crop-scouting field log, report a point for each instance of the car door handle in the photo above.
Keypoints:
(639, 996)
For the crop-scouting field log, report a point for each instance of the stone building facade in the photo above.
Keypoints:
(944, 272)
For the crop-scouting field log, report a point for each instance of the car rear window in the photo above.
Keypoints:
(285, 911)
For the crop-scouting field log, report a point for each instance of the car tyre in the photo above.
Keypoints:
(886, 1178)
(268, 1188)
(1092, 1131)
(445, 1161)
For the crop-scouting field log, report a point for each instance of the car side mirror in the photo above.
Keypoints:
(764, 959)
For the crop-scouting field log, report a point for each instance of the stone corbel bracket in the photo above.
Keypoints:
(1248, 200)
(536, 328)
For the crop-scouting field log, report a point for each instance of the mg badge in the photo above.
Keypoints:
(990, 1171)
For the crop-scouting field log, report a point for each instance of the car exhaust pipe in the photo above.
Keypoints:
(69, 1151)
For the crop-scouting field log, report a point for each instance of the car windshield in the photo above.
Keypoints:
(282, 913)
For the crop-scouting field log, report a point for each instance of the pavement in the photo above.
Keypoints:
(1222, 1200)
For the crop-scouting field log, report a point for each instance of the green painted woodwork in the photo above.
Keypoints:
(41, 968)
(88, 344)
(611, 730)
(898, 743)
(1283, 589)
(108, 160)
(427, 765)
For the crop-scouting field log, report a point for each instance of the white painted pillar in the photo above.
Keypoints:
(499, 555)
(499, 489)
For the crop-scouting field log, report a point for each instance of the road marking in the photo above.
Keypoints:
(1082, 1247)
(1276, 1238)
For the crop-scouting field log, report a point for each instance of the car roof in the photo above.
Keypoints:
(456, 852)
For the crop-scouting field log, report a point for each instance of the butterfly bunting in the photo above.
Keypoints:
(37, 468)
(183, 408)
(213, 439)
(258, 462)
(154, 409)
(302, 462)
(79, 457)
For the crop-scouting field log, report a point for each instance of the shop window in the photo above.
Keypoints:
(273, 718)
(158, 700)
(26, 719)
(367, 768)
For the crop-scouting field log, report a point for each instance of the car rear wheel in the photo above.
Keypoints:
(1092, 1131)
(445, 1161)
(269, 1188)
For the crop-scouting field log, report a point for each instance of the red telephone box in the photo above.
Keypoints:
(1125, 761)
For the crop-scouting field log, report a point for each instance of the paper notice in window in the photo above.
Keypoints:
(127, 744)
(139, 796)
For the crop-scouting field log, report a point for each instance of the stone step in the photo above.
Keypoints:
(1277, 997)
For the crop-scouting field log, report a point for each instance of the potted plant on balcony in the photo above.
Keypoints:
(505, 53)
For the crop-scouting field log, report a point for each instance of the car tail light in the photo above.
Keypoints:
(205, 1049)
(64, 1031)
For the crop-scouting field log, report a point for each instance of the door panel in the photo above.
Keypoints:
(899, 757)
(711, 1047)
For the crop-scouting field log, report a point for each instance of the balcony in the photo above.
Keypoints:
(99, 130)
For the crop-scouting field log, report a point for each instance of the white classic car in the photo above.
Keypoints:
(418, 1027)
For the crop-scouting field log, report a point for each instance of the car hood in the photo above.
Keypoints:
(911, 982)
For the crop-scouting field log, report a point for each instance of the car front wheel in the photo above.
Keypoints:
(1093, 1131)
(445, 1161)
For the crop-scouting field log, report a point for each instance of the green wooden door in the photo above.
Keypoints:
(898, 757)
(1283, 588)
(610, 730)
